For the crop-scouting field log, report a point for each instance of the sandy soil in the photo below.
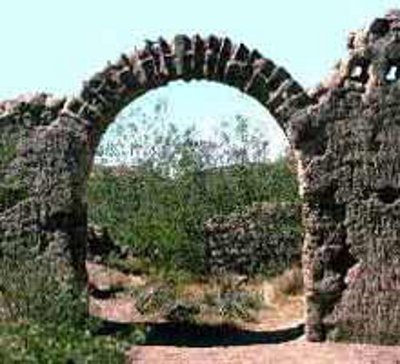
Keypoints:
(275, 338)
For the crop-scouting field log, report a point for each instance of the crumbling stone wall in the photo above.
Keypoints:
(42, 183)
(58, 138)
(263, 237)
(57, 154)
(344, 134)
(348, 147)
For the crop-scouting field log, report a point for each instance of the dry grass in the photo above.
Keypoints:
(290, 283)
(282, 297)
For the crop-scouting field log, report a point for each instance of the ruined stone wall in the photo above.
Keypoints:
(345, 135)
(42, 212)
(349, 168)
(263, 237)
(58, 143)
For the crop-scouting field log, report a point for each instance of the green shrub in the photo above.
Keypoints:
(7, 148)
(31, 292)
(44, 320)
(36, 344)
(225, 298)
(158, 207)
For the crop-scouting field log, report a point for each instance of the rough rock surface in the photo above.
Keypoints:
(345, 135)
(264, 236)
(348, 149)
(41, 207)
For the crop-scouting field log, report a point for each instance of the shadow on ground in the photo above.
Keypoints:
(190, 335)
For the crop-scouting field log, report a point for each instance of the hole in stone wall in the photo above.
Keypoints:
(393, 74)
(388, 194)
(204, 105)
(357, 72)
(158, 196)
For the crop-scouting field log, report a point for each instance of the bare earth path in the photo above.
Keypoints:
(275, 339)
(289, 353)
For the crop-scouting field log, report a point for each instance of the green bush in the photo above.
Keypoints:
(158, 207)
(30, 292)
(37, 344)
(44, 320)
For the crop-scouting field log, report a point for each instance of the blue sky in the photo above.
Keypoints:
(52, 46)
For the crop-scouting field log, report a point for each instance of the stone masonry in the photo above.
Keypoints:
(345, 134)
(263, 237)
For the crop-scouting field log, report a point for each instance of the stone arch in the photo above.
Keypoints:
(58, 152)
(345, 134)
(104, 95)
(86, 116)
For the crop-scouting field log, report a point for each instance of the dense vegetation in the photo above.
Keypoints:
(158, 207)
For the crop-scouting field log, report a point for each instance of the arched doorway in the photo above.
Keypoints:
(61, 151)
(219, 165)
(218, 60)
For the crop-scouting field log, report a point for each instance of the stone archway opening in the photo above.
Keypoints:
(230, 161)
(203, 105)
(212, 59)
(283, 94)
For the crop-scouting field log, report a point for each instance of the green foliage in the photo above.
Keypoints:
(162, 291)
(43, 319)
(155, 297)
(159, 205)
(30, 291)
(38, 344)
(12, 190)
(7, 148)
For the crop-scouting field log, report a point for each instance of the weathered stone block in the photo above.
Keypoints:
(183, 56)
(198, 46)
(223, 57)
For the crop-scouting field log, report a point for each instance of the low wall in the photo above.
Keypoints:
(263, 237)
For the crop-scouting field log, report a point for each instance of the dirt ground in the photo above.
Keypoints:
(276, 338)
(298, 352)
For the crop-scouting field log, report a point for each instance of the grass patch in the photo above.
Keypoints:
(224, 299)
(35, 343)
(44, 320)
